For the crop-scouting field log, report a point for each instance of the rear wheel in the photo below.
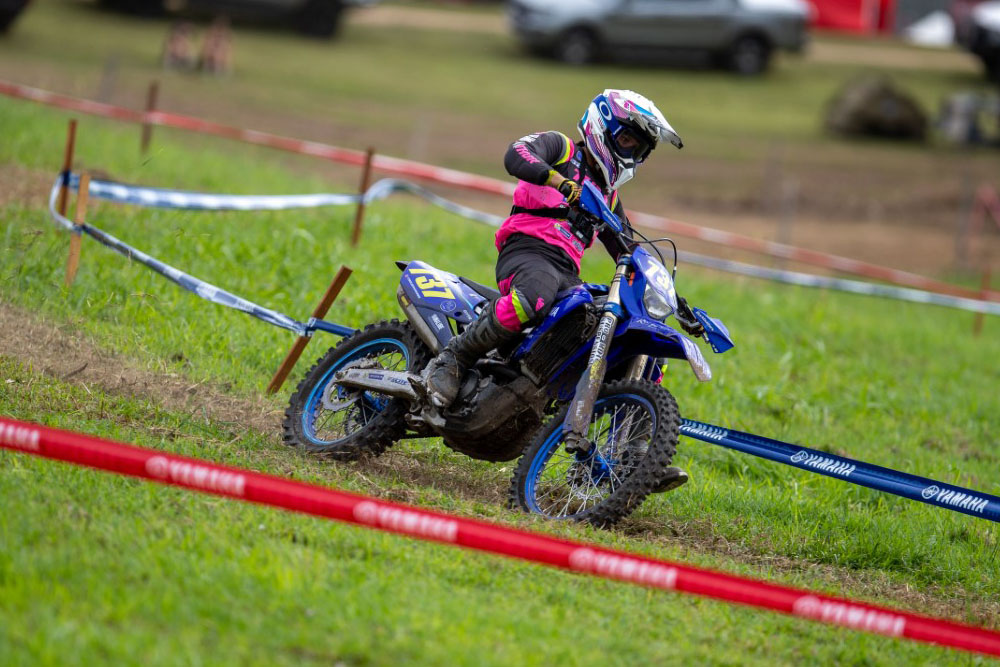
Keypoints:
(749, 55)
(633, 429)
(577, 47)
(323, 416)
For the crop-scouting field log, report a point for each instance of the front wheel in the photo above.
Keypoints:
(633, 429)
(345, 423)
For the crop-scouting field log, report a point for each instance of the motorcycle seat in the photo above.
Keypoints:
(482, 290)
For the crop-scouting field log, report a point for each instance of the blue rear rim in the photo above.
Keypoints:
(560, 485)
(324, 426)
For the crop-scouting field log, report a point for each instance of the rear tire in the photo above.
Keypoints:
(577, 47)
(621, 470)
(348, 423)
(749, 55)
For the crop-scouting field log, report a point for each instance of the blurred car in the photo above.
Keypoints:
(739, 34)
(977, 29)
(320, 18)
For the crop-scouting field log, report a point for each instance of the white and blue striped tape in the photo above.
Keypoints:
(203, 289)
(840, 284)
(201, 201)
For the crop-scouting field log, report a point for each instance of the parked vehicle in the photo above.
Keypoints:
(319, 18)
(10, 10)
(977, 29)
(739, 34)
(580, 398)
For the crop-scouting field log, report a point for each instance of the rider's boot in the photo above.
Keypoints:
(445, 372)
(672, 478)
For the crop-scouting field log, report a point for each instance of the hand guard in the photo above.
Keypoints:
(571, 190)
(686, 318)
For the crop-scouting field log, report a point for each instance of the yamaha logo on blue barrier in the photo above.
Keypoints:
(824, 463)
(955, 498)
(704, 431)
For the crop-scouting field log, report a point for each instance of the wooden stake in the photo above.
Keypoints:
(366, 175)
(147, 127)
(67, 166)
(300, 344)
(75, 241)
(977, 324)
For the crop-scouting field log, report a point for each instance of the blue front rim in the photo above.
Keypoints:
(367, 405)
(590, 479)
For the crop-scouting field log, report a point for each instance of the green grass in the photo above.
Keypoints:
(95, 567)
(896, 384)
(99, 568)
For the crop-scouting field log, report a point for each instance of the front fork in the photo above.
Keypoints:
(577, 421)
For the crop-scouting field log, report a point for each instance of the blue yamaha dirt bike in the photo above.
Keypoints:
(579, 398)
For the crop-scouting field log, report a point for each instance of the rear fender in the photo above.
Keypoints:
(439, 296)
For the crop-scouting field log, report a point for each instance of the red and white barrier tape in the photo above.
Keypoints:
(493, 186)
(433, 526)
(327, 152)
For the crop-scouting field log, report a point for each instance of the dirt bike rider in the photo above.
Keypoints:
(539, 249)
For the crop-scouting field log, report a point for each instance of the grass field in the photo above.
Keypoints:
(95, 568)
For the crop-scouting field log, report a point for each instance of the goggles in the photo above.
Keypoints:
(632, 145)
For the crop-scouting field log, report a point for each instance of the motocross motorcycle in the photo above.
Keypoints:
(579, 398)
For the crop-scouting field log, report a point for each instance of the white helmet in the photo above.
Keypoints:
(617, 112)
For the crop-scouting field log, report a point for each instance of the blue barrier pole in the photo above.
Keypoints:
(329, 327)
(921, 489)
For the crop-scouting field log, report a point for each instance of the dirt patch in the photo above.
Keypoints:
(433, 19)
(58, 350)
(24, 186)
(891, 55)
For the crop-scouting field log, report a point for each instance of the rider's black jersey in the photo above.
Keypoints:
(531, 159)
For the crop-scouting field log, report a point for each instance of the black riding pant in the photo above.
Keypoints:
(530, 272)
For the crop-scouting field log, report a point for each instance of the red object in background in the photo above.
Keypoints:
(886, 16)
(856, 16)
